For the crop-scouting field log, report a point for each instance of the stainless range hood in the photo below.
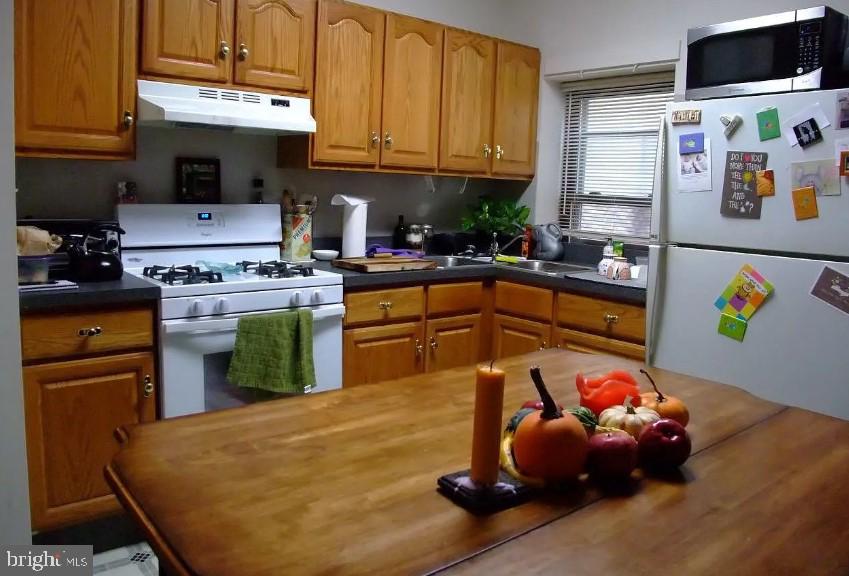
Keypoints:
(181, 105)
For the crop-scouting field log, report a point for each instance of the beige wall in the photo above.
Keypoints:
(14, 499)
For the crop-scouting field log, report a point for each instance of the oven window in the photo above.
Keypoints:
(219, 393)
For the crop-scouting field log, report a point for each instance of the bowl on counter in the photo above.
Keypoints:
(325, 254)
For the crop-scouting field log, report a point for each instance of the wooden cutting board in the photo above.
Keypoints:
(384, 264)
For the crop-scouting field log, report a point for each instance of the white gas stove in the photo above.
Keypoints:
(213, 265)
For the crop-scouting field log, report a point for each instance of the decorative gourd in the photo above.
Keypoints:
(586, 416)
(667, 406)
(549, 444)
(608, 390)
(628, 418)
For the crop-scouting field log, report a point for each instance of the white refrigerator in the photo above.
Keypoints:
(796, 347)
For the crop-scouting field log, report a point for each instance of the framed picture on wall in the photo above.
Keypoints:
(198, 180)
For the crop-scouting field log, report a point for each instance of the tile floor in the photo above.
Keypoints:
(134, 560)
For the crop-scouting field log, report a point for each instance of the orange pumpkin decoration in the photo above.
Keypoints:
(549, 443)
(667, 406)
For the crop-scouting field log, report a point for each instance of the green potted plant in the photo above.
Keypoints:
(507, 218)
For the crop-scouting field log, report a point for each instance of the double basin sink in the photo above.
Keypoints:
(551, 268)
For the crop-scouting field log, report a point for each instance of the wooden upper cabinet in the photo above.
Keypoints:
(412, 82)
(188, 39)
(75, 74)
(349, 64)
(515, 118)
(468, 77)
(274, 44)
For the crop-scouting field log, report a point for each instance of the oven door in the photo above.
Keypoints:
(753, 56)
(196, 356)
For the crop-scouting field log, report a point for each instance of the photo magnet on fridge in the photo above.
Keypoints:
(807, 133)
(832, 287)
(844, 163)
(691, 143)
(733, 327)
(768, 126)
(765, 182)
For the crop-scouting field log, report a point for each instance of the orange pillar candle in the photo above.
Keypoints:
(486, 435)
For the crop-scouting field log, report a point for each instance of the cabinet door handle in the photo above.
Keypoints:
(224, 49)
(433, 343)
(148, 386)
(385, 305)
(243, 51)
(544, 345)
(387, 140)
(499, 152)
(375, 139)
(128, 119)
(90, 332)
(419, 348)
(611, 318)
(486, 150)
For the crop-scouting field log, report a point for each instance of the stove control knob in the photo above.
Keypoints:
(196, 307)
(318, 296)
(223, 305)
(296, 298)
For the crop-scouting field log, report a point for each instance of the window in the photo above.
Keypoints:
(610, 135)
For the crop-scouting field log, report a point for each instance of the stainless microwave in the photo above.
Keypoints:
(787, 52)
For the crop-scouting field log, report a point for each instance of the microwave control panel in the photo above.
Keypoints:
(810, 47)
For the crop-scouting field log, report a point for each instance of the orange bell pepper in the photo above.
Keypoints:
(608, 390)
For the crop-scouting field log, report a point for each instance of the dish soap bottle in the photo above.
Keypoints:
(606, 258)
(399, 236)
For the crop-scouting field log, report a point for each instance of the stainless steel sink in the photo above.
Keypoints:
(547, 267)
(452, 261)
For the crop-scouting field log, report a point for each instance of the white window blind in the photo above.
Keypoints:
(610, 135)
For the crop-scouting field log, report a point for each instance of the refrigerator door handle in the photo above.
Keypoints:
(654, 292)
(657, 231)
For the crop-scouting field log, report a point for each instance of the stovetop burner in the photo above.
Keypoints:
(182, 275)
(276, 269)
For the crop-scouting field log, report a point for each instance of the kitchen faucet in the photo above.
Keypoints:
(494, 248)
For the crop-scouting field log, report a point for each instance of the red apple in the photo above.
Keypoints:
(663, 444)
(611, 456)
(537, 405)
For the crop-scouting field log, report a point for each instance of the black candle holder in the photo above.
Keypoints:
(506, 493)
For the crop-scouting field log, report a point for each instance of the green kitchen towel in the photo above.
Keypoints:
(273, 352)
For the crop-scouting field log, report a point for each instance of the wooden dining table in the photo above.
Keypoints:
(345, 483)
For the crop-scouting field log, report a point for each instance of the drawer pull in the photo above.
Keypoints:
(611, 318)
(419, 348)
(90, 332)
(148, 386)
(544, 345)
(387, 305)
(433, 344)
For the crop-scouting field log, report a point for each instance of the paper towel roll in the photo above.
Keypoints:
(354, 221)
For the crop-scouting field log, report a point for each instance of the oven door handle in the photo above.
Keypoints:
(231, 322)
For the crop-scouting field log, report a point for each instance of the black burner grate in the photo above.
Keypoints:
(182, 275)
(276, 269)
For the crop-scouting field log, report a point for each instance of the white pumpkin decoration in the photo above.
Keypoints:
(626, 417)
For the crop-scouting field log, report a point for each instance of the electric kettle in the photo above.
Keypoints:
(547, 242)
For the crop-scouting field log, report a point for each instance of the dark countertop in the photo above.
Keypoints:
(128, 290)
(586, 284)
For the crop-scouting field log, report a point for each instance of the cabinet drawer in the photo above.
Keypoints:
(384, 305)
(444, 299)
(611, 319)
(591, 343)
(72, 334)
(524, 301)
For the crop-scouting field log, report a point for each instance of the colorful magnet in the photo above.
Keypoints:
(733, 327)
(765, 182)
(691, 143)
(805, 203)
(768, 126)
(744, 294)
(807, 133)
(844, 163)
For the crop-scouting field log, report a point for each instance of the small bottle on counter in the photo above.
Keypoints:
(606, 258)
(399, 235)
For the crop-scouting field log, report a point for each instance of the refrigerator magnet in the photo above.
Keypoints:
(691, 143)
(832, 287)
(844, 163)
(765, 180)
(768, 126)
(744, 294)
(805, 203)
(822, 175)
(807, 133)
(733, 327)
(731, 123)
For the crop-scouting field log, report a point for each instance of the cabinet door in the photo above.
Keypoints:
(382, 353)
(515, 118)
(412, 81)
(72, 409)
(467, 89)
(593, 344)
(514, 336)
(188, 39)
(275, 43)
(349, 69)
(453, 341)
(75, 75)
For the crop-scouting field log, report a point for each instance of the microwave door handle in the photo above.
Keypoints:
(232, 322)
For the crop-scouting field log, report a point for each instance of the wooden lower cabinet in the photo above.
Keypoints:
(453, 342)
(514, 336)
(378, 353)
(594, 344)
(72, 410)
